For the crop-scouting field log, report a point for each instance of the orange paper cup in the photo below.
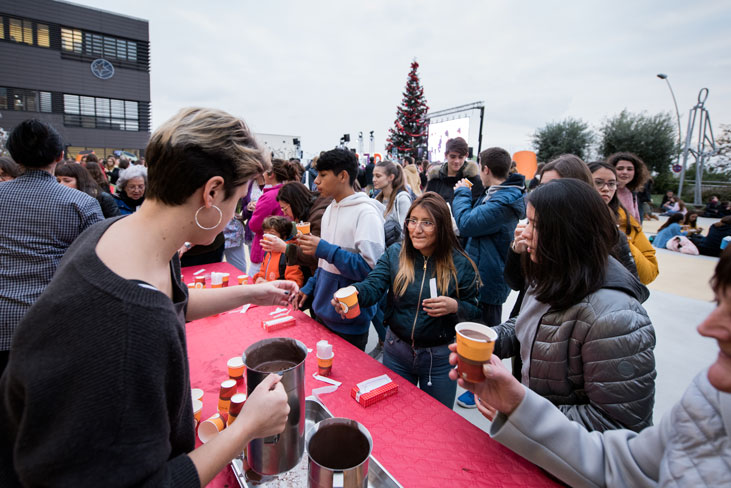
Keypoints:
(196, 393)
(475, 343)
(324, 366)
(303, 227)
(348, 298)
(200, 279)
(243, 279)
(228, 389)
(235, 367)
(237, 403)
(225, 278)
(197, 407)
(467, 182)
(209, 428)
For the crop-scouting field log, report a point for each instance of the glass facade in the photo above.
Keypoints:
(23, 100)
(81, 42)
(100, 113)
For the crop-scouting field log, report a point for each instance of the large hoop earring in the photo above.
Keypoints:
(220, 217)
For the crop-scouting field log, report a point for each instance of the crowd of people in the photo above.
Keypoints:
(425, 246)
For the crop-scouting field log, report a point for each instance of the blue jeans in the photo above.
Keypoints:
(421, 365)
(236, 256)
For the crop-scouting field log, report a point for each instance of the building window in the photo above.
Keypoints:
(74, 40)
(71, 40)
(3, 98)
(42, 36)
(25, 100)
(2, 28)
(100, 113)
(21, 31)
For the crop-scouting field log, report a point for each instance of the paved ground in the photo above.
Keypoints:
(680, 299)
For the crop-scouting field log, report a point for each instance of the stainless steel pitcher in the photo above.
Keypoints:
(339, 450)
(280, 453)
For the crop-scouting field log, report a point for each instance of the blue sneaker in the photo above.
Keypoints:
(466, 400)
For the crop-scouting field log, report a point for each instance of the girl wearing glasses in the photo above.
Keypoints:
(606, 183)
(432, 285)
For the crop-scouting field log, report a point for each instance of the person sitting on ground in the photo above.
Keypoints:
(713, 208)
(668, 230)
(673, 206)
(107, 337)
(9, 169)
(420, 325)
(710, 245)
(584, 339)
(131, 187)
(39, 219)
(352, 240)
(631, 177)
(644, 197)
(691, 446)
(690, 223)
(667, 196)
(442, 178)
(74, 175)
(275, 267)
(605, 181)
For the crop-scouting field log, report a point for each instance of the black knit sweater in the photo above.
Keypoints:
(97, 391)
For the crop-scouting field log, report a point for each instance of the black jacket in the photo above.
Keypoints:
(441, 183)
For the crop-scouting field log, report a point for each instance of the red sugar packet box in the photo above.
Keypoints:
(373, 390)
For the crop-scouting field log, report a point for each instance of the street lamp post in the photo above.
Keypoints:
(663, 76)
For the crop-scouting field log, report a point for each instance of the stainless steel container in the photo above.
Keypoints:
(280, 453)
(339, 450)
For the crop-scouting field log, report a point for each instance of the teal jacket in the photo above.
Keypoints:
(404, 314)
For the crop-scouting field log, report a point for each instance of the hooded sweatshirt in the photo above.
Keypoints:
(352, 241)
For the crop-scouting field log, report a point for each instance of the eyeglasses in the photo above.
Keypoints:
(135, 187)
(601, 184)
(426, 225)
(284, 208)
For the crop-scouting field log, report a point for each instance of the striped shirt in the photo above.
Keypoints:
(39, 219)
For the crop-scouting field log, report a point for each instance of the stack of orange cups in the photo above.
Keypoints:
(228, 389)
(237, 403)
(197, 407)
(216, 280)
(236, 370)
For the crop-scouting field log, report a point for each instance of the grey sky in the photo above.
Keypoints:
(319, 69)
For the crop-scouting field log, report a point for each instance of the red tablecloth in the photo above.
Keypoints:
(418, 440)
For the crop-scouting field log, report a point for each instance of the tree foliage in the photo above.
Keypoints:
(651, 137)
(569, 136)
(410, 127)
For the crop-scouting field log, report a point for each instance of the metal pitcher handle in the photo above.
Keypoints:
(338, 479)
(271, 440)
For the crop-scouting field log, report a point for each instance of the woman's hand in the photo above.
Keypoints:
(266, 410)
(280, 292)
(440, 306)
(500, 390)
(338, 307)
(519, 244)
(487, 410)
(272, 243)
(260, 280)
(251, 206)
(308, 243)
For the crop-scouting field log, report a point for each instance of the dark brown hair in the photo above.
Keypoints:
(9, 167)
(84, 181)
(457, 145)
(614, 203)
(97, 174)
(693, 224)
(498, 160)
(569, 166)
(721, 279)
(280, 225)
(641, 172)
(285, 171)
(298, 197)
(446, 240)
(576, 233)
(675, 218)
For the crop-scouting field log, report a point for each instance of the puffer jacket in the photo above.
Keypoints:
(690, 447)
(441, 183)
(405, 314)
(490, 225)
(642, 251)
(594, 360)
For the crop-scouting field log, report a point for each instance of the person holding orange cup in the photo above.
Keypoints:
(348, 300)
(475, 343)
(303, 227)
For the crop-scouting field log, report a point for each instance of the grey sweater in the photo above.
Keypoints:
(690, 447)
(97, 389)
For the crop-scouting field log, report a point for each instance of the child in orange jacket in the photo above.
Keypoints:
(274, 266)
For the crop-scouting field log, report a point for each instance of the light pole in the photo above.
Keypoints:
(663, 76)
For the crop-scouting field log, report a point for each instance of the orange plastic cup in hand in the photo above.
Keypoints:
(475, 343)
(348, 298)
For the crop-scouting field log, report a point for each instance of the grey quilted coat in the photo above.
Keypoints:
(594, 360)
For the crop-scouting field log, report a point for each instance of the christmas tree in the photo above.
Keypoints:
(410, 128)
